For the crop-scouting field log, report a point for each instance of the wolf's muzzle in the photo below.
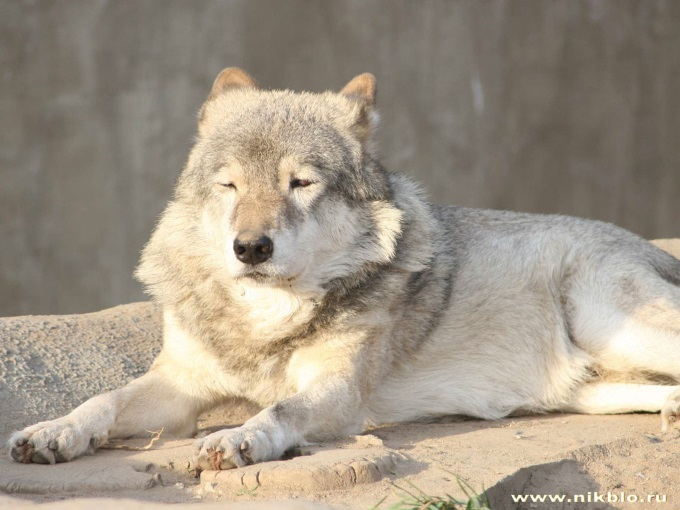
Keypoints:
(253, 250)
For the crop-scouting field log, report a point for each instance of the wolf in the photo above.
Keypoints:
(295, 271)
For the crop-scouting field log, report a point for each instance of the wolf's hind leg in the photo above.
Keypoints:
(631, 324)
(615, 398)
(148, 403)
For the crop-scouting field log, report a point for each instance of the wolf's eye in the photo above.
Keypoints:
(299, 183)
(228, 185)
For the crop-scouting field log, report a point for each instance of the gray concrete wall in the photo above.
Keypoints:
(551, 106)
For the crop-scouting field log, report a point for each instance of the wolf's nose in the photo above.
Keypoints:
(252, 250)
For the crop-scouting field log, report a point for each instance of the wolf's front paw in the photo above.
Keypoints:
(670, 412)
(50, 442)
(232, 448)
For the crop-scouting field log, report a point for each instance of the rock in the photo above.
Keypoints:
(51, 364)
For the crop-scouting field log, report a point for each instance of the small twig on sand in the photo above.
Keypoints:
(155, 436)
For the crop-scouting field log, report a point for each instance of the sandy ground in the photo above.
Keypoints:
(50, 364)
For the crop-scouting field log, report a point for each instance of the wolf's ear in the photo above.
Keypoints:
(361, 87)
(231, 78)
(362, 90)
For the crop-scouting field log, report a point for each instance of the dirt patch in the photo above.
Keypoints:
(340, 465)
(106, 472)
(574, 455)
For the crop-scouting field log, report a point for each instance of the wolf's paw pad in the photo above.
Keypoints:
(228, 449)
(51, 442)
(670, 412)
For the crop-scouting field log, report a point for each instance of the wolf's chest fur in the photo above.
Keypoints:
(253, 331)
(270, 314)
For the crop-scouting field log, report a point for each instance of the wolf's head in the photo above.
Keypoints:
(281, 188)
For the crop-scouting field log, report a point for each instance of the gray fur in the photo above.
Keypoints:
(374, 305)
